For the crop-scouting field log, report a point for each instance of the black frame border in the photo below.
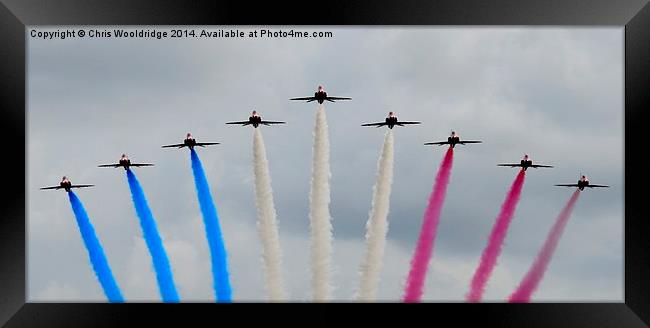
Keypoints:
(15, 15)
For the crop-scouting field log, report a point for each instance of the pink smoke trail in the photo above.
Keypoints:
(498, 234)
(424, 248)
(536, 272)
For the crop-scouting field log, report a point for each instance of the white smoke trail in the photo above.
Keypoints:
(319, 213)
(377, 225)
(267, 223)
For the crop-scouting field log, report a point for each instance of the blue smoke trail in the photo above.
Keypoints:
(154, 243)
(220, 274)
(95, 251)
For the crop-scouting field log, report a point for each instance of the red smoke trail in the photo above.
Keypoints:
(424, 248)
(498, 234)
(536, 272)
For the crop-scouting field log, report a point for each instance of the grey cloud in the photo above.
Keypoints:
(552, 92)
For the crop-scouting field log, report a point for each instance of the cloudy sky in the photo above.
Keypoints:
(554, 93)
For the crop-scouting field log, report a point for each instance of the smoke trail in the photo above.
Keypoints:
(498, 234)
(424, 248)
(319, 213)
(154, 243)
(220, 276)
(377, 225)
(95, 251)
(267, 223)
(536, 272)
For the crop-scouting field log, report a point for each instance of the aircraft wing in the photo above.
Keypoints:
(272, 122)
(172, 146)
(402, 123)
(378, 124)
(304, 98)
(338, 98)
(109, 165)
(240, 122)
(51, 188)
(511, 165)
(81, 186)
(596, 186)
(203, 144)
(537, 165)
(567, 185)
(439, 143)
(141, 164)
(469, 142)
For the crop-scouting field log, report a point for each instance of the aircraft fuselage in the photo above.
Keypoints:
(453, 141)
(320, 96)
(66, 185)
(526, 164)
(125, 163)
(255, 120)
(190, 142)
(391, 121)
(582, 184)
